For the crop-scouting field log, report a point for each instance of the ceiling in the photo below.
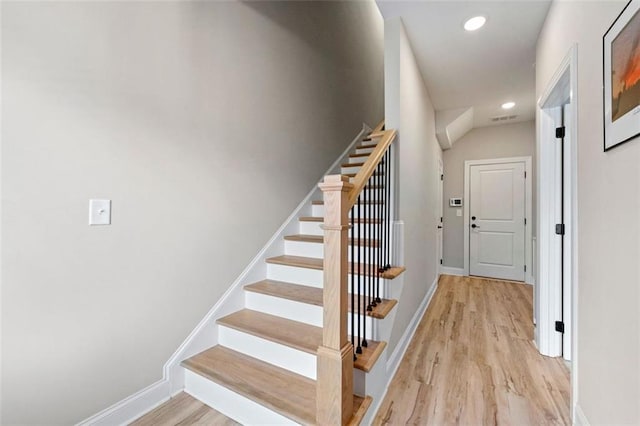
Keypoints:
(481, 69)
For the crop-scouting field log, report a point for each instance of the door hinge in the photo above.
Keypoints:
(525, 175)
(525, 268)
(560, 132)
(441, 177)
(560, 228)
(440, 219)
(525, 221)
(560, 326)
(441, 261)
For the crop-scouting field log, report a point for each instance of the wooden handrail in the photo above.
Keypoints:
(386, 138)
(379, 127)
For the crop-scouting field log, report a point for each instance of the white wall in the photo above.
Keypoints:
(608, 356)
(508, 140)
(408, 109)
(206, 123)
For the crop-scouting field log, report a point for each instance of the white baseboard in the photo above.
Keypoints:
(205, 333)
(132, 407)
(395, 358)
(447, 270)
(580, 419)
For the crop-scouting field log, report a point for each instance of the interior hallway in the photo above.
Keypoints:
(473, 361)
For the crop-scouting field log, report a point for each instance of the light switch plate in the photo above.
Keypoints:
(99, 212)
(459, 212)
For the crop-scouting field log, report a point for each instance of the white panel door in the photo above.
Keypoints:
(496, 220)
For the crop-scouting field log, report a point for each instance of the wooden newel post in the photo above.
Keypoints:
(334, 398)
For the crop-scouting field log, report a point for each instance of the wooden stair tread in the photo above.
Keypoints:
(297, 335)
(287, 393)
(289, 291)
(351, 175)
(312, 295)
(393, 272)
(359, 155)
(353, 165)
(305, 238)
(317, 263)
(360, 407)
(311, 219)
(280, 390)
(321, 219)
(321, 202)
(369, 356)
(366, 145)
(299, 261)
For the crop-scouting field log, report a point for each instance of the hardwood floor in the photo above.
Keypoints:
(184, 410)
(472, 361)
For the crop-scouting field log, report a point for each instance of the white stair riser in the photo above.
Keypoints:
(295, 311)
(318, 211)
(311, 228)
(229, 403)
(352, 169)
(289, 309)
(305, 249)
(283, 356)
(314, 228)
(357, 159)
(305, 276)
(364, 150)
(291, 274)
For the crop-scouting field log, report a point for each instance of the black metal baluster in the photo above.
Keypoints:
(379, 228)
(387, 263)
(364, 269)
(385, 202)
(357, 261)
(353, 282)
(371, 247)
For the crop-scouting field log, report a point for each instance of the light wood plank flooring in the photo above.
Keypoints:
(472, 362)
(184, 410)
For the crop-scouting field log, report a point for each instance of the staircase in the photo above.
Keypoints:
(266, 366)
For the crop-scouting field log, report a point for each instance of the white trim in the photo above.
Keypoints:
(132, 407)
(579, 419)
(394, 360)
(528, 258)
(448, 270)
(565, 79)
(401, 347)
(233, 405)
(205, 333)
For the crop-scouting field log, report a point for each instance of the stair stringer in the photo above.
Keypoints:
(205, 334)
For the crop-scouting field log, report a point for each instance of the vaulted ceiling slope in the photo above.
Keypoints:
(481, 69)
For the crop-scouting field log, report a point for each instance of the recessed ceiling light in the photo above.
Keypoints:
(475, 23)
(508, 105)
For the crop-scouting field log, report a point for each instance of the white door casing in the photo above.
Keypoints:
(440, 214)
(528, 277)
(497, 217)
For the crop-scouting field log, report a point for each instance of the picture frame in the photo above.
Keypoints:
(621, 77)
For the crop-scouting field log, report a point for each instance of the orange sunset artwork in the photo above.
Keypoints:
(625, 67)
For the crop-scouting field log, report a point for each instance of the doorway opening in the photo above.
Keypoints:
(555, 296)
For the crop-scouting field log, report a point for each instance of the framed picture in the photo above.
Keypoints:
(621, 45)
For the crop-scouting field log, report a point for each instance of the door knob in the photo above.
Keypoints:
(473, 218)
(475, 226)
(439, 226)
